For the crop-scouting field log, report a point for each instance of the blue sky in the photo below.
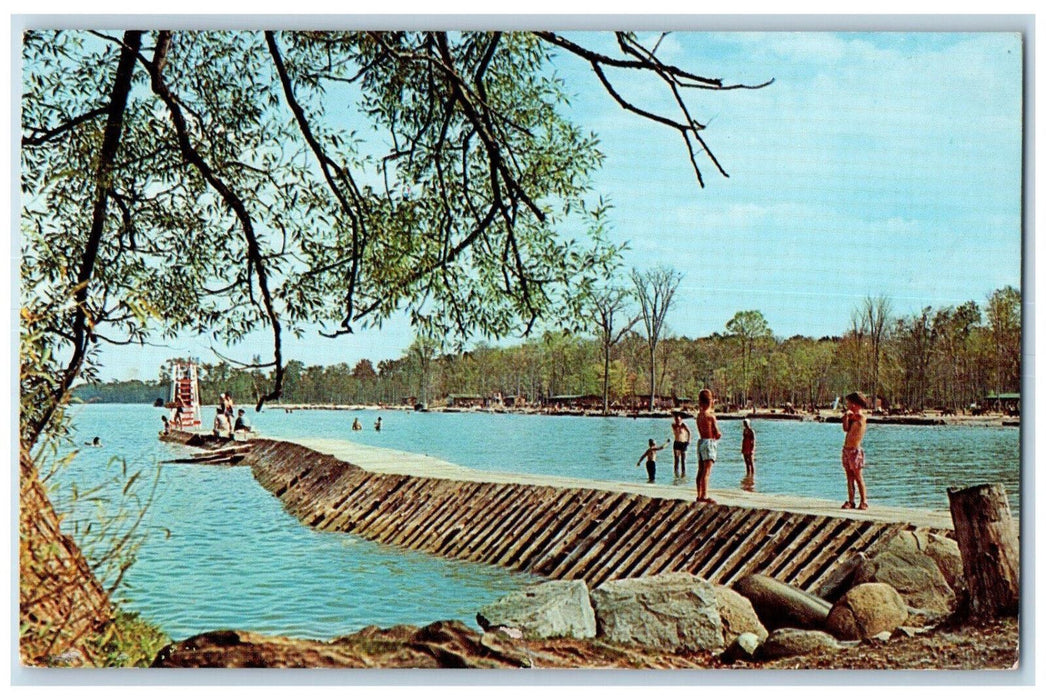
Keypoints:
(875, 164)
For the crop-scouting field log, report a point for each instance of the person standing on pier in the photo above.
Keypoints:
(708, 430)
(748, 447)
(651, 459)
(681, 434)
(228, 408)
(854, 425)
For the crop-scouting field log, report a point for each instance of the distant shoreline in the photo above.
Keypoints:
(926, 418)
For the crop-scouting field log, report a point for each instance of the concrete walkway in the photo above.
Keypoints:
(388, 461)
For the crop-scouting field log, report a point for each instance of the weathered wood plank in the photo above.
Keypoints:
(575, 563)
(853, 540)
(438, 524)
(433, 501)
(716, 540)
(470, 516)
(545, 532)
(689, 524)
(502, 534)
(399, 507)
(665, 521)
(500, 509)
(529, 526)
(684, 550)
(729, 570)
(736, 544)
(618, 544)
(818, 535)
(561, 537)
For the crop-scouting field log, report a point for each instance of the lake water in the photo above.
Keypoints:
(222, 553)
(906, 465)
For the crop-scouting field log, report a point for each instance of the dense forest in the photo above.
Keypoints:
(939, 358)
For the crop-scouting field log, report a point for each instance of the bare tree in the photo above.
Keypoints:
(875, 313)
(608, 303)
(654, 290)
(858, 331)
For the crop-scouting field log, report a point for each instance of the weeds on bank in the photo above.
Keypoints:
(128, 641)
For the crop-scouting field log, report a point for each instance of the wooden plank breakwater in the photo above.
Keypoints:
(557, 532)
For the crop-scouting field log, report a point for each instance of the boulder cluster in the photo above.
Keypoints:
(912, 582)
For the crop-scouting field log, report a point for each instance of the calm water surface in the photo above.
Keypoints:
(906, 465)
(222, 553)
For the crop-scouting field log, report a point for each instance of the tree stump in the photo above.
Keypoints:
(988, 543)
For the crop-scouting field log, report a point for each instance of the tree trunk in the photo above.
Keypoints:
(606, 379)
(988, 542)
(82, 322)
(61, 603)
(653, 357)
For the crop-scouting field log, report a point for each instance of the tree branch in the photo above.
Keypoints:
(255, 259)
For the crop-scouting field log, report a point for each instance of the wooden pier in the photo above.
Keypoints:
(567, 528)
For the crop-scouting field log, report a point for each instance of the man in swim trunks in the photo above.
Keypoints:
(651, 459)
(854, 425)
(681, 433)
(708, 430)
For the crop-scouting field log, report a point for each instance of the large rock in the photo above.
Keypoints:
(780, 605)
(668, 611)
(945, 553)
(911, 572)
(789, 641)
(866, 611)
(738, 615)
(551, 609)
(743, 648)
(840, 577)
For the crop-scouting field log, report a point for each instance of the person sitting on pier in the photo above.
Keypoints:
(708, 430)
(681, 433)
(651, 459)
(221, 423)
(242, 422)
(854, 425)
(166, 425)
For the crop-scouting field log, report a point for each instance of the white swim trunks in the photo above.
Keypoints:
(706, 449)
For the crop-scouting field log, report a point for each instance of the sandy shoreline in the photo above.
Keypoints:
(927, 418)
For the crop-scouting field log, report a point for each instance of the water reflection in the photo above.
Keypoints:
(748, 483)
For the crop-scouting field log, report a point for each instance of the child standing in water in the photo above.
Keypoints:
(651, 459)
(854, 425)
(708, 430)
(748, 447)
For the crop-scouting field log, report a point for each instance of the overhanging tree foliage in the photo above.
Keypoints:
(223, 182)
